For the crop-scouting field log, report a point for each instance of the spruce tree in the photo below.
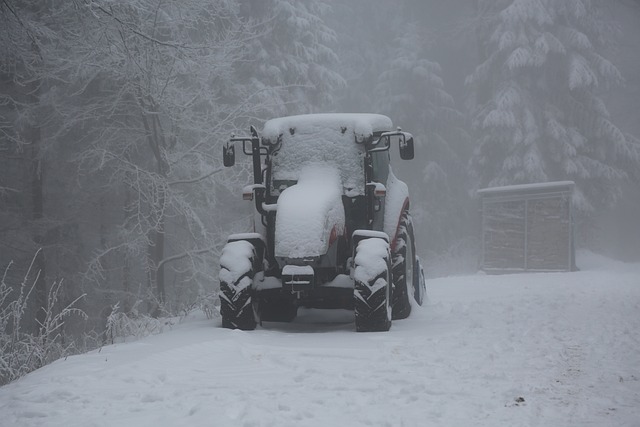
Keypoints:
(538, 112)
(291, 63)
(412, 91)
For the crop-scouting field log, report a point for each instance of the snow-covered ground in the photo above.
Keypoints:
(554, 349)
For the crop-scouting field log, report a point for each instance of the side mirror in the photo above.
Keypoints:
(228, 155)
(406, 147)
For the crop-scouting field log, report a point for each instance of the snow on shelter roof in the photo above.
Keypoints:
(360, 125)
(541, 187)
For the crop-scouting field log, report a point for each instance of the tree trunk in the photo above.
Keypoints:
(155, 139)
(156, 253)
(37, 212)
(483, 93)
(158, 257)
(126, 268)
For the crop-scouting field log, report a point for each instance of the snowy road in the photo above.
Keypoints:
(557, 349)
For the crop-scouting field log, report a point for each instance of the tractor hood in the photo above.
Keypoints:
(309, 212)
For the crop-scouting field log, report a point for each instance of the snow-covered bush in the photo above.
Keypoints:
(134, 324)
(209, 304)
(22, 351)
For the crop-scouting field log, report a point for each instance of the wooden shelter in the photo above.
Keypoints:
(527, 228)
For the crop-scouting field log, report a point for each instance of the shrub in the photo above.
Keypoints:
(22, 351)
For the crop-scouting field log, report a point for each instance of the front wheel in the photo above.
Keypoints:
(372, 287)
(237, 269)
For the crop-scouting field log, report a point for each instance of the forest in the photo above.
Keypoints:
(114, 204)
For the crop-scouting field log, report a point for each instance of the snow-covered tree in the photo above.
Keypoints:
(24, 220)
(133, 99)
(386, 58)
(411, 90)
(291, 63)
(365, 35)
(538, 111)
(154, 95)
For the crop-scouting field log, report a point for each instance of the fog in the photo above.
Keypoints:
(113, 116)
(449, 34)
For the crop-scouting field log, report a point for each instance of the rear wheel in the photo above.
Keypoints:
(404, 276)
(372, 287)
(237, 269)
(420, 285)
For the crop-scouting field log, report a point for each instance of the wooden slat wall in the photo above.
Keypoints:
(548, 228)
(504, 235)
(527, 233)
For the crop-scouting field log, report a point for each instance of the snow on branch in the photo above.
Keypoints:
(500, 119)
(519, 58)
(580, 73)
(132, 29)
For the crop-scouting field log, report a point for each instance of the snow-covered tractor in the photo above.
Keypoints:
(332, 227)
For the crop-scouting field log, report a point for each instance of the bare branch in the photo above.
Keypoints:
(133, 30)
(184, 255)
(197, 179)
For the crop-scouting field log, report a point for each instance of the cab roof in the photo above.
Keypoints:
(358, 127)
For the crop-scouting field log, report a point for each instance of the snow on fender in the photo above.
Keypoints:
(397, 201)
(235, 260)
(371, 259)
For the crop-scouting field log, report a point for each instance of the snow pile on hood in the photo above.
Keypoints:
(308, 211)
(331, 138)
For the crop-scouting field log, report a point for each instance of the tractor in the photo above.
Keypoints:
(331, 227)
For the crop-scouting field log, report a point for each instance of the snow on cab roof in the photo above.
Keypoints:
(300, 141)
(360, 125)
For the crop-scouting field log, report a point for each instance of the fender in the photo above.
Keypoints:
(405, 208)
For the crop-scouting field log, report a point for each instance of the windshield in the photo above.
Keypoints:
(337, 140)
(296, 152)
